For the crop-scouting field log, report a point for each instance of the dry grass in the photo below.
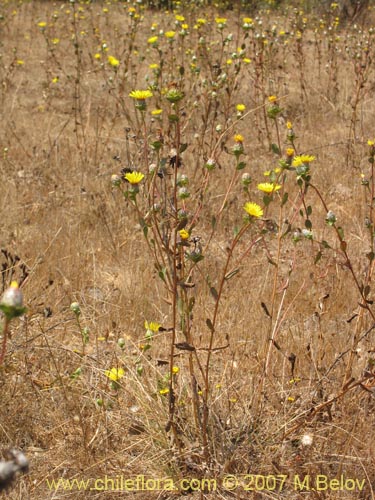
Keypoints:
(81, 241)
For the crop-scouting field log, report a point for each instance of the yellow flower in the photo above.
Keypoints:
(55, 79)
(163, 391)
(152, 40)
(179, 18)
(370, 142)
(184, 26)
(201, 21)
(140, 95)
(184, 235)
(220, 20)
(240, 107)
(153, 326)
(246, 60)
(302, 160)
(156, 112)
(42, 24)
(170, 34)
(268, 187)
(272, 99)
(97, 56)
(289, 152)
(134, 177)
(229, 61)
(253, 209)
(154, 66)
(238, 138)
(247, 20)
(289, 125)
(20, 62)
(175, 369)
(115, 374)
(113, 61)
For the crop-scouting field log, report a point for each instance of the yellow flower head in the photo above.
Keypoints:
(253, 209)
(134, 177)
(289, 151)
(113, 61)
(184, 235)
(370, 142)
(201, 21)
(272, 99)
(179, 18)
(220, 20)
(175, 370)
(153, 326)
(240, 107)
(268, 187)
(238, 138)
(170, 34)
(115, 374)
(156, 112)
(164, 391)
(289, 125)
(302, 160)
(42, 24)
(152, 40)
(97, 56)
(140, 95)
(247, 20)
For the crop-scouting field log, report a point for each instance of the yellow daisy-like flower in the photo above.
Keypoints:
(247, 20)
(220, 20)
(272, 98)
(115, 374)
(253, 209)
(156, 112)
(20, 62)
(229, 61)
(240, 107)
(42, 24)
(268, 187)
(302, 160)
(153, 326)
(140, 95)
(175, 370)
(246, 60)
(370, 142)
(179, 18)
(113, 61)
(164, 391)
(134, 177)
(55, 41)
(152, 40)
(154, 66)
(97, 56)
(289, 152)
(289, 125)
(201, 21)
(184, 235)
(170, 34)
(238, 138)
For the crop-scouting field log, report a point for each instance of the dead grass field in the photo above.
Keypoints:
(295, 370)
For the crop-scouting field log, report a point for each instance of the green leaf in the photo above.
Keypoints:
(275, 149)
(230, 275)
(308, 224)
(285, 199)
(309, 210)
(318, 257)
(162, 274)
(209, 324)
(214, 293)
(241, 165)
(183, 147)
